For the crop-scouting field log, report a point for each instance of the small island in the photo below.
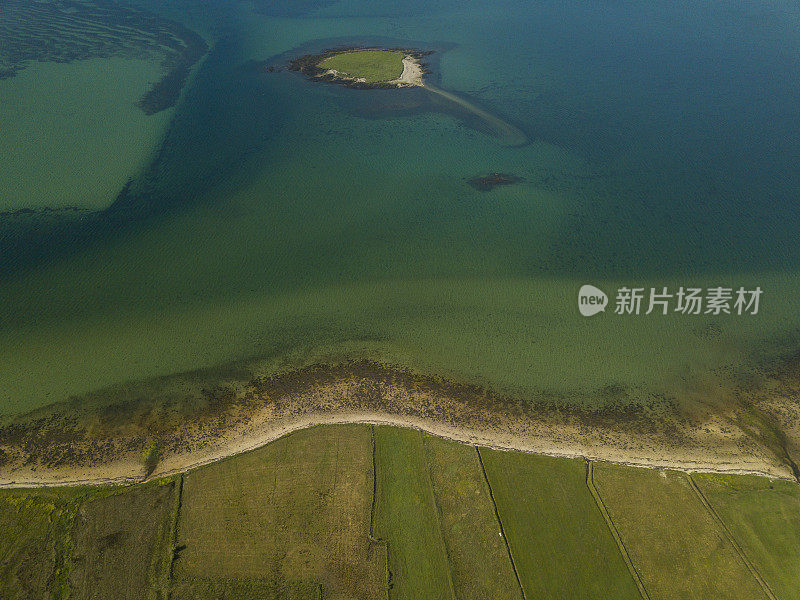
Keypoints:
(372, 67)
(364, 68)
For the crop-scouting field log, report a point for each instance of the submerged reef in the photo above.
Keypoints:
(486, 183)
(68, 30)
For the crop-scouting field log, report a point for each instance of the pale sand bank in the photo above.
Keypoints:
(130, 472)
(412, 73)
(713, 447)
(506, 132)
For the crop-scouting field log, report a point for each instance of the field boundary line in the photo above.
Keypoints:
(374, 487)
(598, 500)
(173, 542)
(334, 487)
(729, 535)
(371, 533)
(500, 523)
(438, 514)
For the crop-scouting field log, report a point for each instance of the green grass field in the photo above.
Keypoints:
(375, 66)
(35, 543)
(407, 519)
(559, 540)
(764, 517)
(352, 512)
(291, 515)
(85, 542)
(479, 561)
(674, 542)
(122, 544)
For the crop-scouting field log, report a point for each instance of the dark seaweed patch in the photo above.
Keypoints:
(68, 30)
(486, 183)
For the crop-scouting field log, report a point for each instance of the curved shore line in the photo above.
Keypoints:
(101, 440)
(464, 437)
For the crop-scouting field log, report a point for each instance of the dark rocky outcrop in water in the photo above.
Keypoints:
(486, 183)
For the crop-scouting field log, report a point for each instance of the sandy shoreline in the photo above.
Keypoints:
(412, 73)
(86, 443)
(130, 472)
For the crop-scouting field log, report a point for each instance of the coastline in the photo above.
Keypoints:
(65, 453)
(123, 474)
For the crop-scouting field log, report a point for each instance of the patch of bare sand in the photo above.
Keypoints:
(412, 73)
(367, 393)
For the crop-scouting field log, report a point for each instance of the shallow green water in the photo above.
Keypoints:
(286, 219)
(72, 134)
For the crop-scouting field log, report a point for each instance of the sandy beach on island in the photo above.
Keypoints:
(412, 73)
(711, 444)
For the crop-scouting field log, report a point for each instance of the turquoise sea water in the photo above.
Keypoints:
(285, 221)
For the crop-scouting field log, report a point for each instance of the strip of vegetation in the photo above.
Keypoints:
(80, 542)
(614, 531)
(151, 456)
(481, 566)
(407, 518)
(561, 545)
(289, 518)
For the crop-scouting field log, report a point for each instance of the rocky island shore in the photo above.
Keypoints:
(365, 67)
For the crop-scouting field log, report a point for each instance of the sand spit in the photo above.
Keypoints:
(62, 449)
(505, 132)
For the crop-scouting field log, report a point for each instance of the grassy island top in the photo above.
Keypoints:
(373, 66)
